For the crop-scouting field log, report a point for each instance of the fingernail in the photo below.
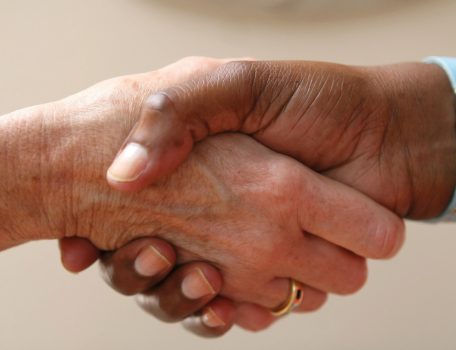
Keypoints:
(129, 164)
(211, 319)
(150, 262)
(196, 285)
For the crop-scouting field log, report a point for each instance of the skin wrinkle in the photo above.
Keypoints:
(94, 231)
(392, 113)
(333, 107)
(41, 156)
(251, 83)
(316, 120)
(265, 92)
(310, 101)
(339, 138)
(274, 98)
(233, 233)
(207, 128)
(282, 110)
(402, 208)
(361, 116)
(263, 83)
(151, 217)
(8, 235)
(380, 172)
(286, 106)
(415, 186)
(71, 215)
(414, 138)
(78, 187)
(406, 209)
(191, 208)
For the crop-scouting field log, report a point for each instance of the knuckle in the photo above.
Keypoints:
(285, 177)
(158, 102)
(386, 238)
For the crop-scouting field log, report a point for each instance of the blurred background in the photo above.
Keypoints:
(51, 48)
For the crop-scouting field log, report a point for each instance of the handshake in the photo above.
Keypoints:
(240, 187)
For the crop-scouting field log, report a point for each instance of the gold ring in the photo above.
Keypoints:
(293, 301)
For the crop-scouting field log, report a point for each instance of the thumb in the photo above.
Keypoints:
(172, 121)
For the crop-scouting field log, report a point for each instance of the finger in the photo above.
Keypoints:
(214, 320)
(183, 292)
(253, 317)
(138, 266)
(312, 299)
(77, 254)
(174, 119)
(346, 217)
(312, 303)
(274, 294)
(324, 266)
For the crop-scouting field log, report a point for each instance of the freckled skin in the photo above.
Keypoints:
(234, 203)
(366, 127)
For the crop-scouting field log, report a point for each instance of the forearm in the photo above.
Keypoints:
(24, 154)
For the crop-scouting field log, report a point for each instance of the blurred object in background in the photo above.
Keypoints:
(307, 8)
(304, 5)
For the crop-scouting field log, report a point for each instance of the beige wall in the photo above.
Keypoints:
(50, 48)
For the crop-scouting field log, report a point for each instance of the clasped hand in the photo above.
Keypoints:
(256, 216)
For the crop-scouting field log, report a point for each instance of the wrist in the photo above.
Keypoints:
(422, 110)
(24, 169)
